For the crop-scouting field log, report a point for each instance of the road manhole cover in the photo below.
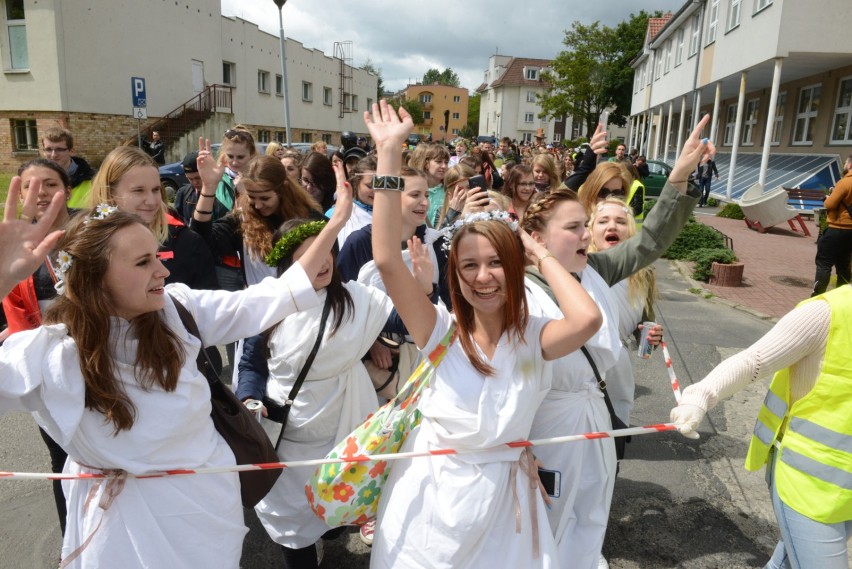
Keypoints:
(791, 281)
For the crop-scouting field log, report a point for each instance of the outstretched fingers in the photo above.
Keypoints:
(10, 213)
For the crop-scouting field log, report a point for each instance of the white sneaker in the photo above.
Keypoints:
(602, 563)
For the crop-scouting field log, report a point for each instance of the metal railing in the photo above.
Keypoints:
(176, 123)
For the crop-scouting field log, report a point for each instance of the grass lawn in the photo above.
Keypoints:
(4, 186)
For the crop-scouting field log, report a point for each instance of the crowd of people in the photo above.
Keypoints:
(539, 258)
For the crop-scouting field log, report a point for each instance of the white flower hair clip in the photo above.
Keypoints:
(64, 260)
(102, 211)
(498, 215)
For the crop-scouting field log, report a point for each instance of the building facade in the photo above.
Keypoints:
(776, 76)
(68, 65)
(440, 103)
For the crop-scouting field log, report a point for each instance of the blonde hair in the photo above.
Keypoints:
(454, 175)
(641, 285)
(273, 147)
(548, 164)
(116, 164)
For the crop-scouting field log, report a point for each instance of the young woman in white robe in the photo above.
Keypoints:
(484, 509)
(147, 407)
(575, 405)
(336, 396)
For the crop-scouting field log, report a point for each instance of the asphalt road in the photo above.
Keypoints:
(678, 503)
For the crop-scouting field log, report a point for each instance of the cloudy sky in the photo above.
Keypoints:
(405, 38)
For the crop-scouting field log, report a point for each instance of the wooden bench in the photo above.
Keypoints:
(806, 201)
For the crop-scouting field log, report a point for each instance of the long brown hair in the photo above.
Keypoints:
(541, 207)
(591, 188)
(116, 164)
(268, 174)
(510, 250)
(86, 310)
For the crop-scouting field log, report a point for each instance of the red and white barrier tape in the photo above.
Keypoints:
(672, 376)
(360, 458)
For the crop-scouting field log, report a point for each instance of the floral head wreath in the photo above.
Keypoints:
(499, 215)
(64, 260)
(291, 240)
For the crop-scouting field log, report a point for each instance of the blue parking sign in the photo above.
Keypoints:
(137, 89)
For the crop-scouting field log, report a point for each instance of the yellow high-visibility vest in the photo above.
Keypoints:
(813, 473)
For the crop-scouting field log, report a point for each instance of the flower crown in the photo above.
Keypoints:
(64, 260)
(498, 215)
(291, 240)
(102, 211)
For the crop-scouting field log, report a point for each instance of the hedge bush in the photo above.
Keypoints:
(704, 259)
(694, 236)
(731, 211)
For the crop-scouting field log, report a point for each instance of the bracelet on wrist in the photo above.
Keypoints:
(396, 183)
(541, 259)
(204, 212)
(203, 195)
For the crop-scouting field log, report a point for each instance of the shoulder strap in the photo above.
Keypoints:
(202, 360)
(602, 386)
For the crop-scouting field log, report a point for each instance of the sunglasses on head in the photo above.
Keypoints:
(243, 135)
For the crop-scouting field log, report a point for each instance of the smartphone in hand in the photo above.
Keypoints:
(604, 119)
(477, 181)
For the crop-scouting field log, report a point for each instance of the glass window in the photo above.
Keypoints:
(307, 137)
(761, 4)
(427, 115)
(529, 117)
(712, 21)
(457, 99)
(279, 85)
(806, 112)
(354, 102)
(734, 14)
(841, 129)
(425, 98)
(369, 104)
(750, 121)
(17, 27)
(456, 116)
(668, 59)
(229, 75)
(696, 33)
(307, 92)
(679, 50)
(730, 123)
(327, 96)
(25, 133)
(778, 121)
(263, 81)
(531, 73)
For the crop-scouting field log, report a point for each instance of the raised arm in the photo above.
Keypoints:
(581, 316)
(389, 131)
(23, 244)
(210, 173)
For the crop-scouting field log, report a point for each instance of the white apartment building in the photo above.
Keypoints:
(70, 64)
(776, 76)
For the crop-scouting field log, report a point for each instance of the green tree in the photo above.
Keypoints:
(445, 77)
(594, 72)
(380, 84)
(473, 102)
(413, 106)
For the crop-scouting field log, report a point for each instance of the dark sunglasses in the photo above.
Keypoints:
(242, 135)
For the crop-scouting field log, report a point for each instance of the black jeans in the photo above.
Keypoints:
(834, 250)
(704, 186)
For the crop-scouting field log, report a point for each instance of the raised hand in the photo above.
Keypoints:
(421, 264)
(690, 155)
(344, 196)
(210, 171)
(386, 126)
(598, 142)
(23, 244)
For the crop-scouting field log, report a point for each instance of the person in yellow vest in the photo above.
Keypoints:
(803, 432)
(58, 147)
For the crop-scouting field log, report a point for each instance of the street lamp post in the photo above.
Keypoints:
(280, 4)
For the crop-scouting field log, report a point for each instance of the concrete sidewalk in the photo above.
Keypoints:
(779, 264)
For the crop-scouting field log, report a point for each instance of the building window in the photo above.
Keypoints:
(660, 55)
(229, 73)
(557, 137)
(526, 137)
(427, 115)
(778, 121)
(307, 92)
(530, 96)
(263, 81)
(761, 4)
(455, 131)
(531, 74)
(749, 122)
(806, 112)
(680, 45)
(841, 129)
(457, 99)
(354, 102)
(369, 104)
(668, 57)
(425, 98)
(347, 102)
(529, 117)
(730, 123)
(263, 136)
(456, 116)
(712, 21)
(326, 138)
(26, 134)
(281, 136)
(327, 96)
(17, 33)
(696, 35)
(307, 137)
(279, 85)
(734, 14)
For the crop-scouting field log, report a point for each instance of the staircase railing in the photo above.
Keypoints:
(176, 123)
